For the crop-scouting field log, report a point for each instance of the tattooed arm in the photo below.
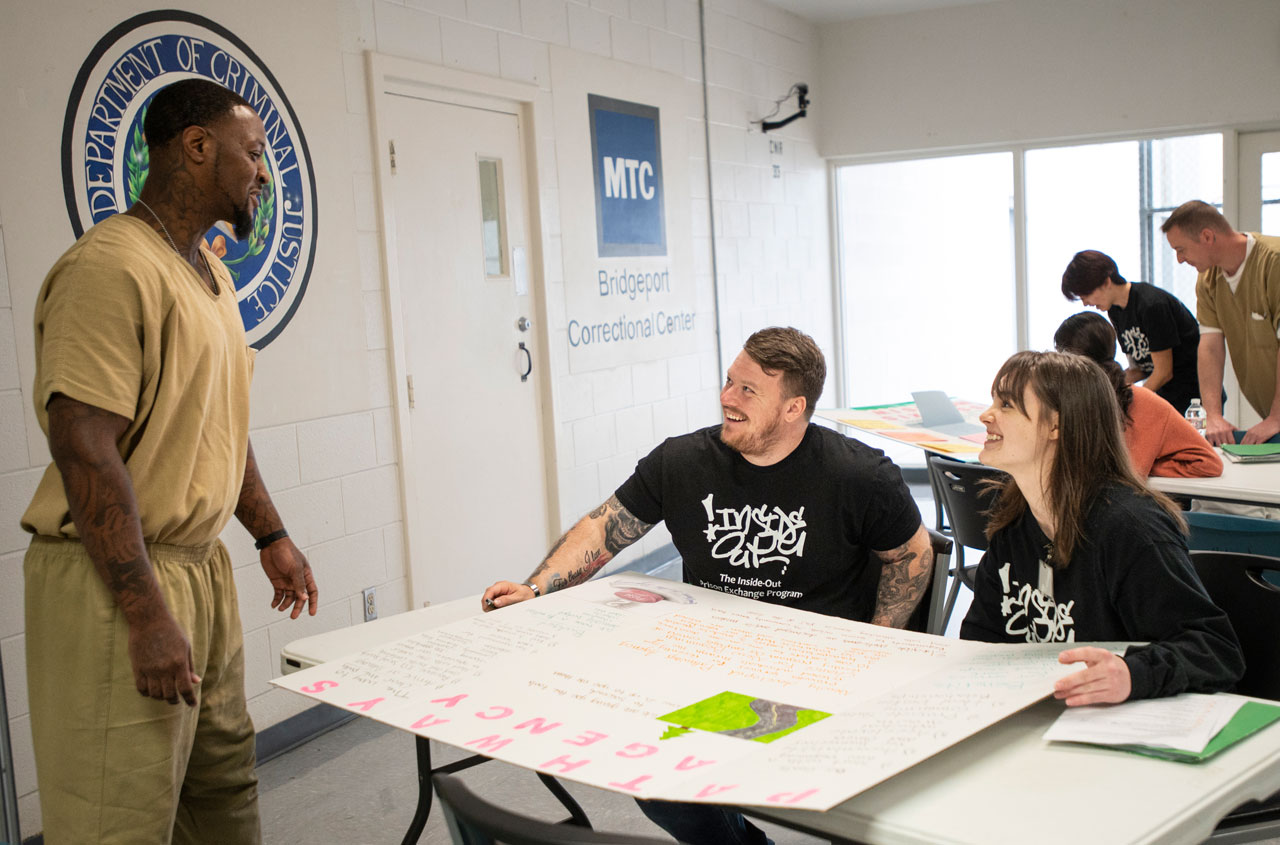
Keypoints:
(284, 563)
(904, 577)
(576, 556)
(82, 440)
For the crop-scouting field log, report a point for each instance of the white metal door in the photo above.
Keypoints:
(1258, 179)
(477, 468)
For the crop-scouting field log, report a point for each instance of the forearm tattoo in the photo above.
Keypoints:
(903, 578)
(620, 529)
(101, 501)
(254, 508)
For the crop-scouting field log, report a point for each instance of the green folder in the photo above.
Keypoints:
(1252, 717)
(1253, 451)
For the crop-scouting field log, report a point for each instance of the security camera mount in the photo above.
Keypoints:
(802, 93)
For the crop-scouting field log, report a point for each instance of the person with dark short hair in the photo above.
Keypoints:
(1082, 551)
(1161, 442)
(135, 654)
(837, 531)
(1156, 331)
(1238, 306)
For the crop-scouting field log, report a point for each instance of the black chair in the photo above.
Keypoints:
(927, 618)
(965, 496)
(1220, 532)
(474, 821)
(1236, 584)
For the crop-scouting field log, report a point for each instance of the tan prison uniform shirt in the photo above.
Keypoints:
(1249, 318)
(124, 324)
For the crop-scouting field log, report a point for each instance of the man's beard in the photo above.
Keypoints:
(242, 225)
(756, 442)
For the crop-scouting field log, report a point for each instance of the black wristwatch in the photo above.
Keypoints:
(266, 540)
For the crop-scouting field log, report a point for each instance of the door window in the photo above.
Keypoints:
(493, 219)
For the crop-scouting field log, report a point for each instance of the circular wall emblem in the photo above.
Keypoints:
(104, 153)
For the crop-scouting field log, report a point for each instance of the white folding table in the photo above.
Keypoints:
(1003, 785)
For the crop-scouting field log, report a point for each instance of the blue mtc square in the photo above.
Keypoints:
(627, 159)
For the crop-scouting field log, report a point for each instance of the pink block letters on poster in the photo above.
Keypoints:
(320, 686)
(428, 722)
(493, 742)
(789, 797)
(689, 763)
(564, 764)
(538, 726)
(632, 785)
(501, 713)
(637, 750)
(587, 738)
(715, 789)
(366, 706)
(451, 701)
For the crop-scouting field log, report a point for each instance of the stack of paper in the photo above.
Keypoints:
(1253, 453)
(1188, 728)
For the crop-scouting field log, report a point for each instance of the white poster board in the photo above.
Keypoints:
(665, 690)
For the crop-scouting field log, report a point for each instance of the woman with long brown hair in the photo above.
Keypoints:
(1081, 550)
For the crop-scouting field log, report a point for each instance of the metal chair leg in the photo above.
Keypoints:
(577, 816)
(952, 594)
(423, 748)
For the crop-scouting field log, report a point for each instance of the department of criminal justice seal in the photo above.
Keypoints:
(104, 153)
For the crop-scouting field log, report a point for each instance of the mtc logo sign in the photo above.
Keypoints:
(616, 171)
(626, 154)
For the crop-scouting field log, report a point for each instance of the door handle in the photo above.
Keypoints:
(528, 362)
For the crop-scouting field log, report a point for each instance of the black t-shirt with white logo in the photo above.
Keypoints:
(1130, 579)
(1155, 320)
(799, 533)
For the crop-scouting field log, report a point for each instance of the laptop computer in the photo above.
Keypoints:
(937, 413)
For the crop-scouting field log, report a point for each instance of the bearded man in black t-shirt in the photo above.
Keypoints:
(765, 505)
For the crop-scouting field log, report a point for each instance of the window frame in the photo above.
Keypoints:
(1019, 152)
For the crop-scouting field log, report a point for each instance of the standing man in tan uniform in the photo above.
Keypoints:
(135, 658)
(1237, 306)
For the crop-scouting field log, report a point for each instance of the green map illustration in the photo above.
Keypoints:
(738, 715)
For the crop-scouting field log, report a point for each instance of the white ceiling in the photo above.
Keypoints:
(831, 11)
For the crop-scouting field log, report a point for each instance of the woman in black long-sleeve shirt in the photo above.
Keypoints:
(1081, 550)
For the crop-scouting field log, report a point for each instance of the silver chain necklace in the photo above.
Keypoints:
(165, 229)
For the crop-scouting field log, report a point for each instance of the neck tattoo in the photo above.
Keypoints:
(212, 281)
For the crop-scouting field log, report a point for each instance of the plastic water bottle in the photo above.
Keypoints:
(1196, 416)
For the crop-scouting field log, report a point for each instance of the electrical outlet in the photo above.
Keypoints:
(370, 605)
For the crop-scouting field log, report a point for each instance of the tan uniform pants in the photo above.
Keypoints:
(113, 766)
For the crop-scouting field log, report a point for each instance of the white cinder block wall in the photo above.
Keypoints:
(325, 440)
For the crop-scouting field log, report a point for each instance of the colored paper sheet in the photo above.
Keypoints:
(914, 436)
(953, 447)
(863, 422)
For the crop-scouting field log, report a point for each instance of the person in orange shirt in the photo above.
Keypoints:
(1161, 442)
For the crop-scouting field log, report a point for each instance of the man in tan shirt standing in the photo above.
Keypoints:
(135, 658)
(1238, 307)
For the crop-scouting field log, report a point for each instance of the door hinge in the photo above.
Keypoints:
(392, 145)
(410, 391)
